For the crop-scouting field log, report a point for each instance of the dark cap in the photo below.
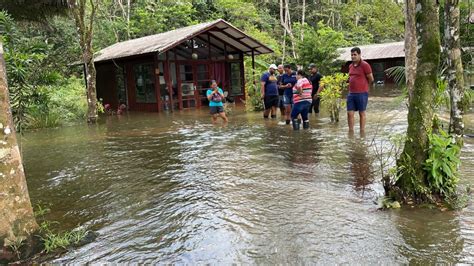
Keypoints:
(311, 66)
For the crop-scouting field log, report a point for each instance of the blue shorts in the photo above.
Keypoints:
(216, 109)
(287, 100)
(357, 101)
(280, 102)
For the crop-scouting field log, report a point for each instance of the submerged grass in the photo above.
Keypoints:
(56, 241)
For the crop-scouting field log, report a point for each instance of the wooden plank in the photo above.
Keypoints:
(157, 83)
(178, 83)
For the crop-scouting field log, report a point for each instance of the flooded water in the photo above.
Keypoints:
(173, 188)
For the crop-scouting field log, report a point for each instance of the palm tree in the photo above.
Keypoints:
(17, 221)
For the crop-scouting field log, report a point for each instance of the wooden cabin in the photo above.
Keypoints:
(380, 57)
(172, 70)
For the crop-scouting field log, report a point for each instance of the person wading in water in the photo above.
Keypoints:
(360, 77)
(215, 95)
(302, 100)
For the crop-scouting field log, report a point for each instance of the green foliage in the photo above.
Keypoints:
(331, 95)
(443, 163)
(441, 94)
(253, 97)
(39, 95)
(397, 73)
(61, 104)
(377, 21)
(51, 240)
(253, 94)
(54, 241)
(155, 17)
(320, 46)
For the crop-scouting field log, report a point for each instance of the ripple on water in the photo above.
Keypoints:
(175, 189)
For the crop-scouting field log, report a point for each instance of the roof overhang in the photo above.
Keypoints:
(159, 43)
(375, 51)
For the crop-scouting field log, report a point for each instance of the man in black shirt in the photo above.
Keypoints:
(315, 77)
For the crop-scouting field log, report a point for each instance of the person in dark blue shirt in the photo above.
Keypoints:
(269, 91)
(280, 73)
(288, 80)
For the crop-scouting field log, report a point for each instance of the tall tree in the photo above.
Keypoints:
(452, 46)
(85, 27)
(420, 112)
(410, 45)
(17, 219)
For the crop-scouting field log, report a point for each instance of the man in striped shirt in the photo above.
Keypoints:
(302, 100)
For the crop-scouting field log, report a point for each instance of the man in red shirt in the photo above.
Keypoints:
(360, 77)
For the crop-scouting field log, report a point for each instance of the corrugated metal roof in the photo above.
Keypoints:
(167, 40)
(375, 51)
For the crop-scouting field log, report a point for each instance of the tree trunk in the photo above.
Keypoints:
(17, 220)
(285, 21)
(91, 87)
(85, 32)
(420, 112)
(302, 20)
(452, 47)
(128, 20)
(410, 46)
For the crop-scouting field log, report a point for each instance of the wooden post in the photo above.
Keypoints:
(242, 75)
(170, 84)
(209, 45)
(178, 82)
(157, 81)
(225, 67)
(253, 67)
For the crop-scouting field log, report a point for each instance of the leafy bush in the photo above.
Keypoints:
(253, 97)
(443, 163)
(331, 99)
(60, 104)
(69, 100)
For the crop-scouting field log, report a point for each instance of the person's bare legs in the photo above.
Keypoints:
(274, 111)
(362, 119)
(214, 118)
(287, 112)
(282, 111)
(350, 120)
(223, 116)
(266, 113)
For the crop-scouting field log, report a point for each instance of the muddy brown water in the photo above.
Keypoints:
(173, 188)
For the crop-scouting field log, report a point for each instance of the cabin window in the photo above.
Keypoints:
(121, 85)
(144, 83)
(235, 79)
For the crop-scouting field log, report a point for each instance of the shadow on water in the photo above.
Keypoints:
(173, 188)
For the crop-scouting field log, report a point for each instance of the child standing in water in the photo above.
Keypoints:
(215, 95)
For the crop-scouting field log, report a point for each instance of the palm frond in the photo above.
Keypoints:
(397, 73)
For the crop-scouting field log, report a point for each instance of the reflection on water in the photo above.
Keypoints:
(360, 165)
(173, 188)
